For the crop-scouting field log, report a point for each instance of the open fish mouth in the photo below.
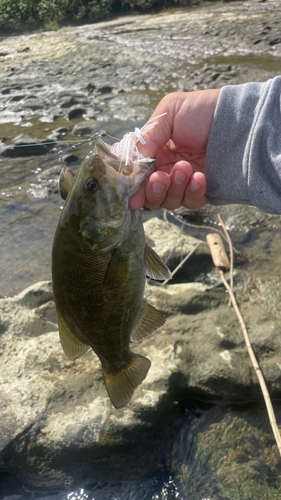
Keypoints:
(124, 156)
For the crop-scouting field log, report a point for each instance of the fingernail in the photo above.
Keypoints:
(194, 185)
(179, 177)
(158, 187)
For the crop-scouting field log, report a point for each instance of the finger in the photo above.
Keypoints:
(160, 134)
(194, 196)
(180, 177)
(156, 189)
(138, 199)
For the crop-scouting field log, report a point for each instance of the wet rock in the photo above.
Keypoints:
(26, 145)
(71, 159)
(240, 441)
(17, 98)
(238, 218)
(59, 133)
(86, 128)
(49, 180)
(68, 101)
(90, 87)
(25, 49)
(76, 112)
(104, 90)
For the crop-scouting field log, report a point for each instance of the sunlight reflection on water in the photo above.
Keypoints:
(78, 495)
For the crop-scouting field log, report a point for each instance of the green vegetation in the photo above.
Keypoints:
(232, 459)
(25, 15)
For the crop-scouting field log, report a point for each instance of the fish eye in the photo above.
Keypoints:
(92, 185)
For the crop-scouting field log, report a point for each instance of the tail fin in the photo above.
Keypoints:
(121, 384)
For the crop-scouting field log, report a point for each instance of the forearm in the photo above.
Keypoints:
(243, 162)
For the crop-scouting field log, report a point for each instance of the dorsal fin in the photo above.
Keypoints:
(155, 267)
(72, 346)
(66, 182)
(150, 320)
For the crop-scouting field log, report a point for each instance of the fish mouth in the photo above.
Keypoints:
(104, 153)
(132, 173)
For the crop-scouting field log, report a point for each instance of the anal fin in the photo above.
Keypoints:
(121, 384)
(150, 320)
(155, 267)
(72, 346)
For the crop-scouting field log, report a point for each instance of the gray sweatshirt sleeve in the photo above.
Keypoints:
(243, 162)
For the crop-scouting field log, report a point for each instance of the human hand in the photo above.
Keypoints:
(178, 143)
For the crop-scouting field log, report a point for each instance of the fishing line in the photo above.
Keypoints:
(79, 143)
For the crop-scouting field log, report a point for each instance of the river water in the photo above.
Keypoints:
(110, 76)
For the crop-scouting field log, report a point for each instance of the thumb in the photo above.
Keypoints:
(157, 135)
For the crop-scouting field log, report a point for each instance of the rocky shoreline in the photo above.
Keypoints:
(65, 429)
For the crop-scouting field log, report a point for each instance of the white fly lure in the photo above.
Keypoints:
(131, 160)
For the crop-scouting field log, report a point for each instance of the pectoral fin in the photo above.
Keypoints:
(117, 269)
(150, 241)
(121, 384)
(155, 267)
(72, 346)
(150, 320)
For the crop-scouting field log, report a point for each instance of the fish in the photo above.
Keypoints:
(100, 259)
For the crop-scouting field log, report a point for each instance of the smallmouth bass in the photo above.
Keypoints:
(100, 259)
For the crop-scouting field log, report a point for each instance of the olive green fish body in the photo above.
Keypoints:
(100, 294)
(100, 259)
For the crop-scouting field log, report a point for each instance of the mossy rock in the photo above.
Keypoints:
(232, 456)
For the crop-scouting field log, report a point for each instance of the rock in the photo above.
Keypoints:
(171, 241)
(227, 454)
(76, 112)
(58, 133)
(49, 180)
(65, 427)
(17, 98)
(68, 101)
(64, 409)
(86, 128)
(36, 295)
(173, 244)
(104, 90)
(71, 159)
(26, 145)
(239, 219)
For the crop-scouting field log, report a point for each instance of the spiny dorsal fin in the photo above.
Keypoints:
(150, 320)
(150, 241)
(120, 385)
(72, 346)
(66, 182)
(155, 267)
